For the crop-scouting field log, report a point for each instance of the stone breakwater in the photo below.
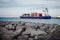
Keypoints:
(28, 31)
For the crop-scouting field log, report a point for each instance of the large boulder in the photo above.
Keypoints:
(56, 32)
(19, 27)
(6, 37)
(22, 23)
(9, 27)
(31, 24)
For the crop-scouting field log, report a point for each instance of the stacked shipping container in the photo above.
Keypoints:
(26, 15)
(35, 14)
(32, 14)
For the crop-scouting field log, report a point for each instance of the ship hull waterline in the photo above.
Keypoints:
(42, 17)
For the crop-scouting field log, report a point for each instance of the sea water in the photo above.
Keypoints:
(46, 21)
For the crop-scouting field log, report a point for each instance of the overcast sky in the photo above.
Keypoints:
(15, 8)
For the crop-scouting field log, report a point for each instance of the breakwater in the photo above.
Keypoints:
(14, 30)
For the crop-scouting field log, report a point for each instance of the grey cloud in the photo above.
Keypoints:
(11, 3)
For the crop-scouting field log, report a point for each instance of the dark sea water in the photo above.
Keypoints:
(47, 21)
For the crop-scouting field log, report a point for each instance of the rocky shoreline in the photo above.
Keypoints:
(13, 30)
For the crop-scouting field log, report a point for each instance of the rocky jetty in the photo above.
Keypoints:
(28, 31)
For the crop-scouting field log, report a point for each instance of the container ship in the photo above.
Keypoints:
(36, 15)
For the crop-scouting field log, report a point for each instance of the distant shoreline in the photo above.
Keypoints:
(55, 17)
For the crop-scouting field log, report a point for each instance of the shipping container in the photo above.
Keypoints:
(39, 14)
(32, 14)
(26, 15)
(35, 14)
